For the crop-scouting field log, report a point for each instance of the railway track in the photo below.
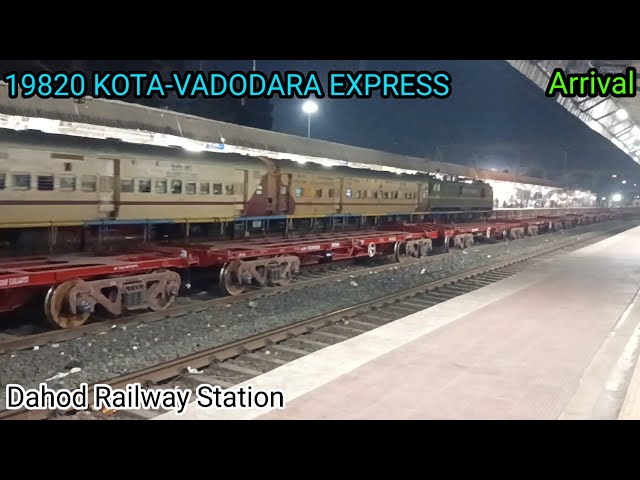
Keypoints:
(36, 335)
(239, 361)
(12, 340)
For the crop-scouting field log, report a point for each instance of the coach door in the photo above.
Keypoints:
(423, 197)
(284, 194)
(108, 187)
(246, 192)
(339, 187)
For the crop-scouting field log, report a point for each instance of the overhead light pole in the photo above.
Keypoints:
(309, 107)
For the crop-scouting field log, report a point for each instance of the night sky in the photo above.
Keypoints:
(491, 103)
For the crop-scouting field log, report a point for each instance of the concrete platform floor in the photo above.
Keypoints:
(558, 341)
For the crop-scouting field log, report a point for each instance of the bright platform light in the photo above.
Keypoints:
(309, 107)
(616, 197)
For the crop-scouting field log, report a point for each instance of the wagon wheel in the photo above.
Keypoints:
(229, 280)
(285, 276)
(159, 295)
(400, 252)
(57, 309)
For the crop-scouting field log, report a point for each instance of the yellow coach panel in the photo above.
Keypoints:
(154, 189)
(39, 186)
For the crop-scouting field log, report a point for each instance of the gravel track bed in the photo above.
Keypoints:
(122, 349)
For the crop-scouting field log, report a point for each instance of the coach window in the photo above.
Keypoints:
(191, 188)
(126, 185)
(106, 184)
(359, 194)
(89, 183)
(228, 189)
(319, 193)
(67, 183)
(45, 182)
(386, 195)
(161, 186)
(205, 188)
(3, 180)
(217, 189)
(144, 185)
(349, 193)
(299, 192)
(331, 193)
(365, 193)
(176, 186)
(21, 181)
(395, 194)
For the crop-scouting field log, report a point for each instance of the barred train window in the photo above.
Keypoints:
(348, 193)
(217, 189)
(161, 186)
(21, 181)
(106, 184)
(126, 185)
(176, 186)
(88, 183)
(45, 182)
(3, 180)
(204, 188)
(67, 183)
(228, 189)
(331, 193)
(144, 185)
(191, 188)
(319, 193)
(299, 192)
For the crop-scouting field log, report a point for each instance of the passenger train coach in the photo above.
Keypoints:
(49, 180)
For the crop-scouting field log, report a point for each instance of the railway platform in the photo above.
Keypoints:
(559, 340)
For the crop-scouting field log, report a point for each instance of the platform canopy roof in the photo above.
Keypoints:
(616, 119)
(96, 118)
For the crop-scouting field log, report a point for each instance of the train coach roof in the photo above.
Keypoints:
(117, 148)
(146, 125)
